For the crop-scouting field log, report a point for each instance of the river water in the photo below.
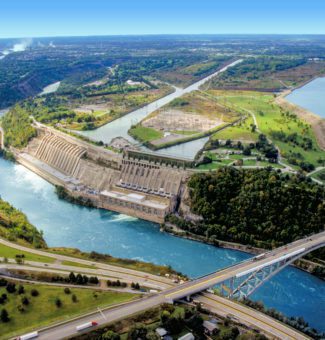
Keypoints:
(310, 96)
(292, 291)
(121, 126)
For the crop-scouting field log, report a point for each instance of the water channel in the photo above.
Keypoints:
(121, 126)
(292, 291)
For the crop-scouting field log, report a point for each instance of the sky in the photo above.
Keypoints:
(44, 18)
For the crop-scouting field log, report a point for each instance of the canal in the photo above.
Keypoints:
(292, 291)
(121, 126)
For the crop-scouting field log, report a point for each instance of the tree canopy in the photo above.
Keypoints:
(258, 207)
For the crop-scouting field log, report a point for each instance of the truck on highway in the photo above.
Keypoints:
(86, 325)
(28, 336)
(259, 257)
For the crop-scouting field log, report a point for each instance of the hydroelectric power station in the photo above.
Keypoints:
(140, 184)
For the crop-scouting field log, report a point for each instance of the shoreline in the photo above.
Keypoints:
(316, 122)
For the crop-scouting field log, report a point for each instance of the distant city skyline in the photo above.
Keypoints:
(39, 18)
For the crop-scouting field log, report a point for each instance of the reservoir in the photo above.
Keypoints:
(310, 96)
(292, 291)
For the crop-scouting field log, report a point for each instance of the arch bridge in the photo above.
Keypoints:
(244, 278)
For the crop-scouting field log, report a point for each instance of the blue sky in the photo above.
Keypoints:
(35, 18)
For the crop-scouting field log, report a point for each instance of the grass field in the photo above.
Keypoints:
(70, 263)
(145, 134)
(12, 252)
(271, 119)
(42, 310)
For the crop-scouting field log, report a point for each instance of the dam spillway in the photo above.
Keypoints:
(60, 154)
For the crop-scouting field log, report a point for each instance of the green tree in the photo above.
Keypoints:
(4, 316)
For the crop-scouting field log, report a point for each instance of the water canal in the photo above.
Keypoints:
(121, 126)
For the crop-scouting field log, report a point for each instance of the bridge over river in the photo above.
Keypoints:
(268, 264)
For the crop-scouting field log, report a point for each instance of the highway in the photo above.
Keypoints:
(101, 274)
(99, 268)
(248, 316)
(243, 313)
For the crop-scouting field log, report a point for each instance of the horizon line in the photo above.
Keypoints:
(162, 34)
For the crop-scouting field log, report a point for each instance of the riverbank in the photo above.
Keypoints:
(317, 123)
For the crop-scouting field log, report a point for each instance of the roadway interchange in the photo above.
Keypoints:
(220, 305)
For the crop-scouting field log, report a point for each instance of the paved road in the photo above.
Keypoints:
(248, 316)
(193, 287)
(100, 274)
(99, 268)
(102, 317)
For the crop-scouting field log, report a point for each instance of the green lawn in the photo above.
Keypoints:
(270, 118)
(42, 310)
(241, 132)
(145, 134)
(76, 264)
(9, 252)
(237, 156)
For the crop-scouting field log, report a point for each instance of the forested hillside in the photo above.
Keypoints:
(262, 208)
(17, 127)
(14, 225)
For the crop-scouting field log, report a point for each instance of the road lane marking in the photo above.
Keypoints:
(193, 286)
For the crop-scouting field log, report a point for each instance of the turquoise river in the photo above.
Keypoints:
(292, 291)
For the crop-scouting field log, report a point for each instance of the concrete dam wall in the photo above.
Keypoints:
(147, 188)
(60, 154)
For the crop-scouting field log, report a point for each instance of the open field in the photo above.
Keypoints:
(94, 109)
(183, 76)
(42, 309)
(294, 137)
(11, 253)
(189, 117)
(316, 122)
(269, 74)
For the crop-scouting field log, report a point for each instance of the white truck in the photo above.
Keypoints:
(28, 336)
(86, 325)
